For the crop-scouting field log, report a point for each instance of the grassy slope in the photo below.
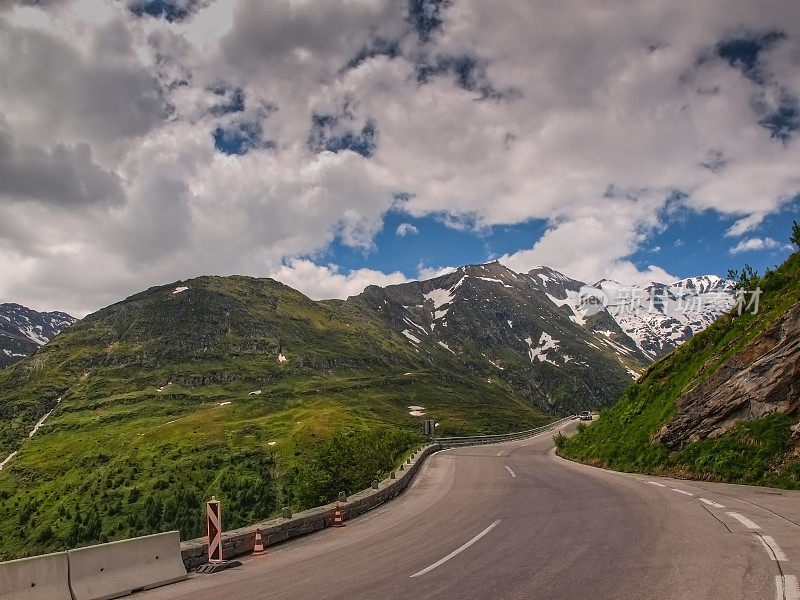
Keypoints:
(754, 452)
(118, 457)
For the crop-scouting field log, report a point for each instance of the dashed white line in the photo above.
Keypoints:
(787, 587)
(684, 492)
(501, 453)
(656, 483)
(711, 503)
(457, 551)
(772, 548)
(510, 471)
(744, 520)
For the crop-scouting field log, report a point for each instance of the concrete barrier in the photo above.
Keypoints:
(38, 578)
(241, 541)
(117, 569)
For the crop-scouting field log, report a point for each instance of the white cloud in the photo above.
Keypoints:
(322, 282)
(751, 244)
(424, 272)
(746, 224)
(405, 229)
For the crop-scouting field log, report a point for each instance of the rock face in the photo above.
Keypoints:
(23, 331)
(763, 378)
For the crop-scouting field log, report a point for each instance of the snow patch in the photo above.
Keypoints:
(411, 337)
(224, 403)
(539, 352)
(8, 458)
(634, 374)
(445, 346)
(255, 393)
(281, 358)
(180, 289)
(420, 327)
(42, 420)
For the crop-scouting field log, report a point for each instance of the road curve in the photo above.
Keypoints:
(515, 521)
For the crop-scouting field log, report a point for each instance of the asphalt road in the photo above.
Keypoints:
(512, 521)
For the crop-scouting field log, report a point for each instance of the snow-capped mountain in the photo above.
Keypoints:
(661, 316)
(657, 318)
(547, 335)
(500, 324)
(23, 330)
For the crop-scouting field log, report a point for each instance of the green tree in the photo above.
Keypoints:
(746, 279)
(795, 239)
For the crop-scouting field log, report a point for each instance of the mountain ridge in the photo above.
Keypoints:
(24, 330)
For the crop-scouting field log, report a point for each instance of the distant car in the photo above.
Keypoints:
(585, 416)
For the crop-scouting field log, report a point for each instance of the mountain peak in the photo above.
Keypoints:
(24, 330)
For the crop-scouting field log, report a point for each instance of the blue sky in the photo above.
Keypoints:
(696, 243)
(691, 243)
(433, 245)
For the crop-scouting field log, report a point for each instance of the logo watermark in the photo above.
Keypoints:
(622, 301)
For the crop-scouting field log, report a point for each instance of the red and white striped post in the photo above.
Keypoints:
(214, 517)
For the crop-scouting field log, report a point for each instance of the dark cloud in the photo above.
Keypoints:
(91, 98)
(777, 109)
(377, 46)
(782, 119)
(715, 161)
(745, 50)
(468, 72)
(241, 137)
(327, 133)
(427, 16)
(233, 101)
(64, 176)
(171, 10)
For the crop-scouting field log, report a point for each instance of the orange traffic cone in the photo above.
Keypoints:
(258, 547)
(337, 517)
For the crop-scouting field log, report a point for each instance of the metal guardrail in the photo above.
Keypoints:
(475, 440)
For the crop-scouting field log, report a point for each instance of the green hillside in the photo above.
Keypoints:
(160, 409)
(753, 452)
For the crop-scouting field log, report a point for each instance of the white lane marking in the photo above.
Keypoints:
(501, 453)
(514, 475)
(787, 587)
(744, 520)
(656, 483)
(525, 445)
(457, 551)
(711, 503)
(772, 548)
(684, 492)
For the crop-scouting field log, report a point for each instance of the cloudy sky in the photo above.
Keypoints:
(337, 143)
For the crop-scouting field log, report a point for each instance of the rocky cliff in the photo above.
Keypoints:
(761, 379)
